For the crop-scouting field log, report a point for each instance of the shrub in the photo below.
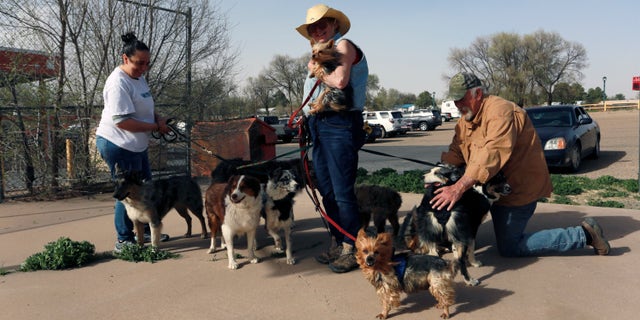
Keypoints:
(137, 253)
(607, 204)
(61, 254)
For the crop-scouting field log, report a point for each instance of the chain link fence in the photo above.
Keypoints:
(51, 75)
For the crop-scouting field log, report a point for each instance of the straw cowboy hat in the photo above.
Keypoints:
(320, 11)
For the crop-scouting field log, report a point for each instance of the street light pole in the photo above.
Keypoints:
(433, 97)
(604, 92)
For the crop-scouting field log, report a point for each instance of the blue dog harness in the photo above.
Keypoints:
(401, 267)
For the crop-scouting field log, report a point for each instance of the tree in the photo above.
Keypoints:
(425, 100)
(288, 76)
(593, 95)
(373, 86)
(552, 59)
(520, 68)
(86, 37)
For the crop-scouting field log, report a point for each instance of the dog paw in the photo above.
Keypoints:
(233, 265)
(472, 282)
(477, 264)
(254, 260)
(211, 250)
(187, 235)
(291, 261)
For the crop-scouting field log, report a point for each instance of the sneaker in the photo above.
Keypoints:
(598, 242)
(329, 256)
(147, 237)
(121, 244)
(345, 263)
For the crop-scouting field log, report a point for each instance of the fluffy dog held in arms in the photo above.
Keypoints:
(327, 59)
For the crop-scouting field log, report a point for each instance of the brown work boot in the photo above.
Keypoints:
(346, 262)
(598, 242)
(329, 256)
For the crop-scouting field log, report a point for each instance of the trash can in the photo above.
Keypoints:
(250, 139)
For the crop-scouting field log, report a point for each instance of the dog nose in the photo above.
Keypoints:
(370, 261)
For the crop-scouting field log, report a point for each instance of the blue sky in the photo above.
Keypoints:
(407, 42)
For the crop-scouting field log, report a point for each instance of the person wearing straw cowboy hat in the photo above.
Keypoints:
(337, 136)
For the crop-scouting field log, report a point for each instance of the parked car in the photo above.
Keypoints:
(288, 133)
(446, 116)
(283, 132)
(391, 122)
(568, 134)
(423, 119)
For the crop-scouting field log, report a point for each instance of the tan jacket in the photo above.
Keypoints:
(501, 137)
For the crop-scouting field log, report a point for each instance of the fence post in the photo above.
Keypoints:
(70, 169)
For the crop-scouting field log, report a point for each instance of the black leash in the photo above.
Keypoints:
(403, 158)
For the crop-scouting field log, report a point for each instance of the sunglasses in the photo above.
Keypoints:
(319, 25)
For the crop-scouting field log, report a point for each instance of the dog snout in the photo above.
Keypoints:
(370, 260)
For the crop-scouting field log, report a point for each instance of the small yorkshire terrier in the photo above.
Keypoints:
(327, 59)
(391, 275)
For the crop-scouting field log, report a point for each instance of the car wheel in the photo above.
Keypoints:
(423, 126)
(576, 158)
(383, 132)
(596, 150)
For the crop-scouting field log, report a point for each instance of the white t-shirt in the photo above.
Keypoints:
(124, 95)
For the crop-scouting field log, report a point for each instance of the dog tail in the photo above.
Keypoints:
(406, 232)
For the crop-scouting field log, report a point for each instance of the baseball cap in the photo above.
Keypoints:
(460, 83)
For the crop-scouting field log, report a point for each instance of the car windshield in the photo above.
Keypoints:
(551, 118)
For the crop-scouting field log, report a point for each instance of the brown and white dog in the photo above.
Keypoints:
(234, 208)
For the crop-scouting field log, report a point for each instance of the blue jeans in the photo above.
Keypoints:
(126, 160)
(509, 224)
(336, 139)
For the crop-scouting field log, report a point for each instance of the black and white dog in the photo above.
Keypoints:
(425, 228)
(280, 190)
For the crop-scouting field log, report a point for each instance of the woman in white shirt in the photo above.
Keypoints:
(128, 118)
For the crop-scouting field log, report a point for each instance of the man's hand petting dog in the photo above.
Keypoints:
(446, 197)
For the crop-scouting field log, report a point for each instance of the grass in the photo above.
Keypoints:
(567, 189)
(136, 253)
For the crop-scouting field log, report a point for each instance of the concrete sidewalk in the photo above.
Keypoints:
(198, 285)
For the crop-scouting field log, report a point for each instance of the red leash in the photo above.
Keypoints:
(302, 142)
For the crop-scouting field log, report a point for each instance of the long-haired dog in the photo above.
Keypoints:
(425, 228)
(234, 208)
(149, 201)
(280, 190)
(391, 275)
(327, 59)
(380, 204)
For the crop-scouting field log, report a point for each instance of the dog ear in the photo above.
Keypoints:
(275, 173)
(384, 238)
(312, 42)
(330, 43)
